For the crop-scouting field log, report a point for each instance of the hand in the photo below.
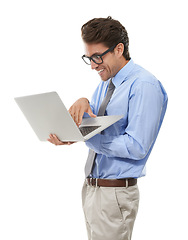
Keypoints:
(78, 108)
(55, 140)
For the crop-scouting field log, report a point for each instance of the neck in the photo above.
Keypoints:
(122, 64)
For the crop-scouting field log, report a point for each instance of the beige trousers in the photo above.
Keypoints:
(110, 212)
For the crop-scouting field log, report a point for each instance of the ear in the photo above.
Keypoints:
(119, 49)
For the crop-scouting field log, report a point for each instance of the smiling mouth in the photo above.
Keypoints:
(100, 71)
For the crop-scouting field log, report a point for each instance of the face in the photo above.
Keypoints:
(112, 61)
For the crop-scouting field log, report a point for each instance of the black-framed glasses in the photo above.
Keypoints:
(96, 58)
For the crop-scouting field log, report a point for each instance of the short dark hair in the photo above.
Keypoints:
(107, 31)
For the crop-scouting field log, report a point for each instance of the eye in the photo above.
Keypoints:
(96, 57)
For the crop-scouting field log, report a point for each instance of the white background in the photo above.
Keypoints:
(40, 51)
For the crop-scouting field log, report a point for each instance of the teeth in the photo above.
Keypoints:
(101, 71)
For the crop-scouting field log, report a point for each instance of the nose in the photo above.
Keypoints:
(93, 65)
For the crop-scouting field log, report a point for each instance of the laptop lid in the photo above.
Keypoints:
(47, 114)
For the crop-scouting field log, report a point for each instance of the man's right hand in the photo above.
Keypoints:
(78, 109)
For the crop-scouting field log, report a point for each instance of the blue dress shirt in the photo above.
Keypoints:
(123, 148)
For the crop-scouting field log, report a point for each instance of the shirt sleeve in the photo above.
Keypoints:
(145, 106)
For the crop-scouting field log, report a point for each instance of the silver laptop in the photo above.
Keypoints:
(47, 114)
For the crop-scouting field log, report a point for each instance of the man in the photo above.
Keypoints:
(118, 155)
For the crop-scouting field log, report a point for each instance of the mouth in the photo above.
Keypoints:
(100, 71)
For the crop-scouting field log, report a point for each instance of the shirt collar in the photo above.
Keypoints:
(123, 73)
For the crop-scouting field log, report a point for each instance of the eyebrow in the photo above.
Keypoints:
(94, 54)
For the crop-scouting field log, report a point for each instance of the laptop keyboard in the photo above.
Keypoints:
(87, 129)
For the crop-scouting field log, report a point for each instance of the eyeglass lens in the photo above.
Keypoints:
(96, 59)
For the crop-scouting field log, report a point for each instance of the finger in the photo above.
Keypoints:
(70, 110)
(80, 116)
(56, 138)
(91, 114)
(52, 141)
(73, 114)
(51, 136)
(49, 140)
(76, 116)
(57, 141)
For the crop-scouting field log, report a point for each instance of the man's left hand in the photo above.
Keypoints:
(55, 140)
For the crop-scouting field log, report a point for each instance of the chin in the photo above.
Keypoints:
(104, 79)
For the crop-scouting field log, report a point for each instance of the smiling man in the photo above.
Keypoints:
(118, 155)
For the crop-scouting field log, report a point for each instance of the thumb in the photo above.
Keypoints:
(91, 114)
